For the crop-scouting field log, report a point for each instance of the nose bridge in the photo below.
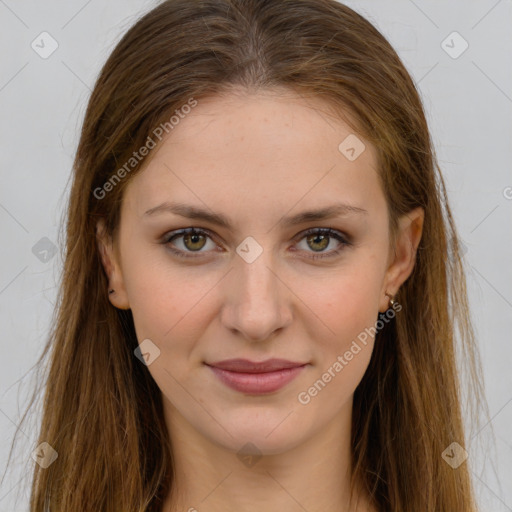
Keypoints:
(256, 304)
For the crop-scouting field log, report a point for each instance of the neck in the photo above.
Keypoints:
(313, 476)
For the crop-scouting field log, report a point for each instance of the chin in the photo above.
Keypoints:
(273, 434)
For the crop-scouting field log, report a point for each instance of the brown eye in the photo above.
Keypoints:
(188, 241)
(318, 239)
(321, 241)
(194, 241)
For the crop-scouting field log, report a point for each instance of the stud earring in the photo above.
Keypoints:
(111, 291)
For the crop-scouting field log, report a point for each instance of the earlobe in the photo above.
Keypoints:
(115, 290)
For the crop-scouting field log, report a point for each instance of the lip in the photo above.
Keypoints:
(256, 377)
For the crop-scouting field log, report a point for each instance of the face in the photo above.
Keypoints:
(267, 282)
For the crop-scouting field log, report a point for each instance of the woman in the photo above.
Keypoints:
(262, 277)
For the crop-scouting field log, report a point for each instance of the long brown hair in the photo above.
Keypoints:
(102, 409)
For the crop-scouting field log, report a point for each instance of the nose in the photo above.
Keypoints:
(257, 300)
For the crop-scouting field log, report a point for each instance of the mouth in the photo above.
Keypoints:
(256, 377)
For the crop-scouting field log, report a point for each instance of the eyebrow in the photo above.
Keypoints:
(193, 212)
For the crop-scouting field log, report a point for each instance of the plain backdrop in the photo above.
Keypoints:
(459, 54)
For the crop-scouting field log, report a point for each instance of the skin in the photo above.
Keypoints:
(256, 157)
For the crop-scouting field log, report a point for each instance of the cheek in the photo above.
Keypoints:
(153, 303)
(168, 303)
(346, 304)
(342, 357)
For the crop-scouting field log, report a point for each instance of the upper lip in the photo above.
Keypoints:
(247, 366)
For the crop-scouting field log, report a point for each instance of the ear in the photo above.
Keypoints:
(403, 255)
(111, 265)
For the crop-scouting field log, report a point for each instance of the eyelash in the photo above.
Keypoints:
(167, 238)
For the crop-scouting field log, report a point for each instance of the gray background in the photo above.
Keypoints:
(42, 100)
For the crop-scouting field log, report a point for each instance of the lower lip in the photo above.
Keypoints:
(257, 383)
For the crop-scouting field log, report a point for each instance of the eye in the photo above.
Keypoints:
(193, 240)
(319, 239)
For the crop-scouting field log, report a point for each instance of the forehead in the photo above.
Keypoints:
(261, 154)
